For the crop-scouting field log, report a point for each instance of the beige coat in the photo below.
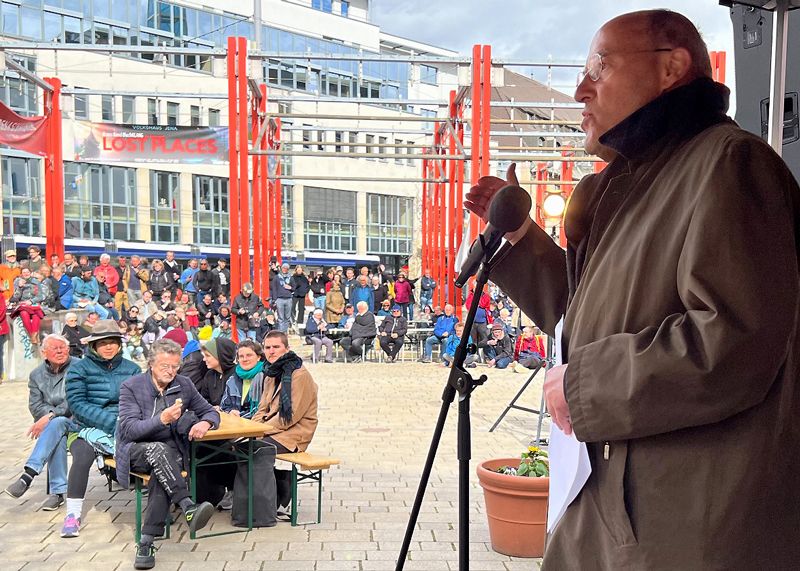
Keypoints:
(295, 435)
(334, 307)
(681, 331)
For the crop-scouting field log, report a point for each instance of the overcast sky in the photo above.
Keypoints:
(535, 29)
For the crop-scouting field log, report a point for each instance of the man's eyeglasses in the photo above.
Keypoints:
(595, 64)
(167, 368)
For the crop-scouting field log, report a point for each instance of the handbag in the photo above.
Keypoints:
(265, 500)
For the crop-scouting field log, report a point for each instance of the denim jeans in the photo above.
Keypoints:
(429, 343)
(102, 312)
(249, 334)
(51, 448)
(319, 302)
(284, 307)
(425, 298)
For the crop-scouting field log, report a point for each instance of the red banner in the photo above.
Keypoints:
(23, 133)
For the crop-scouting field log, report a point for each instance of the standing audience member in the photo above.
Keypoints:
(35, 260)
(205, 281)
(246, 306)
(109, 272)
(348, 283)
(318, 291)
(187, 280)
(300, 289)
(173, 270)
(160, 281)
(392, 333)
(8, 273)
(316, 335)
(47, 403)
(362, 332)
(403, 296)
(281, 291)
(159, 413)
(92, 386)
(243, 389)
(362, 292)
(223, 277)
(380, 292)
(5, 330)
(427, 286)
(334, 305)
(136, 280)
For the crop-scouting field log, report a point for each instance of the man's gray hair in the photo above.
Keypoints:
(53, 337)
(163, 347)
(362, 305)
(105, 257)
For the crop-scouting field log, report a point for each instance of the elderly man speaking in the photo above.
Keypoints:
(159, 412)
(681, 331)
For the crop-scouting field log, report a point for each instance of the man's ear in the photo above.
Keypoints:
(676, 68)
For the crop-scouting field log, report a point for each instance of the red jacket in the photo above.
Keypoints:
(534, 344)
(4, 329)
(402, 291)
(112, 277)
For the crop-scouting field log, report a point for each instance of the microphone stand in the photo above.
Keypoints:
(462, 382)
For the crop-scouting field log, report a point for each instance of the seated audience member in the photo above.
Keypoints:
(192, 363)
(265, 322)
(219, 301)
(498, 348)
(504, 319)
(529, 351)
(362, 332)
(165, 304)
(244, 387)
(247, 305)
(74, 335)
(206, 310)
(223, 314)
(347, 318)
(133, 316)
(289, 398)
(92, 386)
(219, 356)
(425, 319)
(92, 318)
(86, 293)
(222, 330)
(146, 306)
(451, 344)
(385, 308)
(391, 333)
(155, 327)
(26, 303)
(62, 285)
(47, 403)
(105, 297)
(443, 327)
(159, 413)
(316, 328)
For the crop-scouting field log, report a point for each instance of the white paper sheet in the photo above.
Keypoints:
(569, 462)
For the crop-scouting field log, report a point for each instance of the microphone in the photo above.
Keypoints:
(507, 211)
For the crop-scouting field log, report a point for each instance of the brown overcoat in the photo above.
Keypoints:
(681, 299)
(297, 434)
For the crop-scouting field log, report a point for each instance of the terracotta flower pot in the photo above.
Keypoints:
(516, 507)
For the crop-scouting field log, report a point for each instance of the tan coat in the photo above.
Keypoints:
(297, 434)
(334, 307)
(681, 330)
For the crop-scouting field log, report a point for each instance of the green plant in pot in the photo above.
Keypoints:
(516, 492)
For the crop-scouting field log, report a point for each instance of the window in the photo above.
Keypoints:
(99, 202)
(353, 139)
(80, 104)
(330, 219)
(17, 93)
(306, 138)
(164, 207)
(370, 144)
(382, 141)
(128, 110)
(107, 108)
(194, 115)
(338, 139)
(287, 217)
(398, 150)
(173, 109)
(345, 5)
(213, 117)
(410, 151)
(22, 198)
(427, 113)
(428, 74)
(211, 215)
(320, 140)
(389, 224)
(152, 111)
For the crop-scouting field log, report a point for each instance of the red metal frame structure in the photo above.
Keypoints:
(54, 173)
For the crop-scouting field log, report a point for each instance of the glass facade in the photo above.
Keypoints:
(390, 228)
(99, 202)
(287, 218)
(330, 220)
(164, 207)
(211, 217)
(19, 94)
(22, 196)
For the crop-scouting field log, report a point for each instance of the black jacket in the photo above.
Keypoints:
(206, 281)
(391, 325)
(301, 285)
(363, 326)
(212, 385)
(159, 281)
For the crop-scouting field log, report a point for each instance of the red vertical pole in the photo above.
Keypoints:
(244, 182)
(54, 213)
(233, 178)
(49, 214)
(442, 234)
(278, 200)
(459, 212)
(255, 122)
(424, 257)
(452, 213)
(475, 145)
(566, 192)
(263, 185)
(541, 175)
(486, 111)
(435, 226)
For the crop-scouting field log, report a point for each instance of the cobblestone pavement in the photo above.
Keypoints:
(377, 418)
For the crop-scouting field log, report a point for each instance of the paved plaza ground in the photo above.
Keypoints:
(377, 418)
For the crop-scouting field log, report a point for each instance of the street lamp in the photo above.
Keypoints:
(553, 205)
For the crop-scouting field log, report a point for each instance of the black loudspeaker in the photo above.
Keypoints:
(752, 36)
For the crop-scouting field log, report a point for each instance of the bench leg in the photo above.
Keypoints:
(319, 497)
(294, 495)
(137, 534)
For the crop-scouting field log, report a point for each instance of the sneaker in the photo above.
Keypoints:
(71, 527)
(198, 515)
(145, 556)
(425, 360)
(18, 488)
(226, 503)
(53, 502)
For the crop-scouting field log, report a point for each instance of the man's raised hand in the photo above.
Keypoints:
(479, 196)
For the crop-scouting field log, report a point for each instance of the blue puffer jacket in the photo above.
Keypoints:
(445, 324)
(93, 389)
(140, 408)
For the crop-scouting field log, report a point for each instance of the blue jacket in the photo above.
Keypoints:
(65, 291)
(445, 323)
(451, 344)
(187, 279)
(232, 397)
(140, 406)
(93, 386)
(85, 290)
(276, 289)
(365, 293)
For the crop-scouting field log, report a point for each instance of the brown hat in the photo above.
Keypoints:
(104, 329)
(498, 326)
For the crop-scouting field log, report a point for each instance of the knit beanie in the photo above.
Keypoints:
(177, 335)
(211, 347)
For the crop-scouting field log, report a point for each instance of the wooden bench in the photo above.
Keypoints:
(306, 466)
(140, 480)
